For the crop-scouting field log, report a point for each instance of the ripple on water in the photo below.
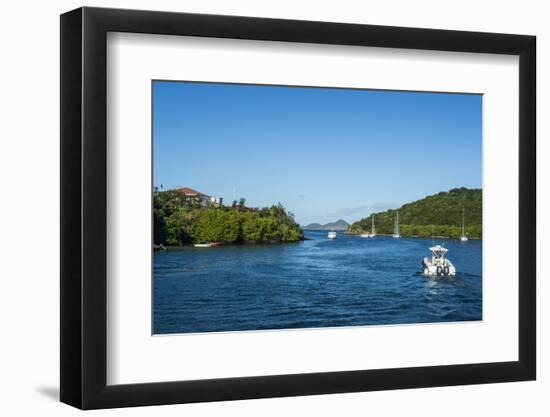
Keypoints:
(315, 283)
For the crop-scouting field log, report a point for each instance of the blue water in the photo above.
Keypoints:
(349, 281)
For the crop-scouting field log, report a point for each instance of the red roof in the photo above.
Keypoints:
(191, 192)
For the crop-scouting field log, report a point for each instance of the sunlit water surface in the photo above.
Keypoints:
(349, 281)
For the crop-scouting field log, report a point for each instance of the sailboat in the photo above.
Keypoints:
(463, 237)
(372, 230)
(396, 228)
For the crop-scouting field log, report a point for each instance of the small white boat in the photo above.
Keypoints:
(203, 245)
(331, 235)
(396, 227)
(365, 235)
(463, 237)
(438, 265)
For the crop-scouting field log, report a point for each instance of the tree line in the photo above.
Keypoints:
(178, 220)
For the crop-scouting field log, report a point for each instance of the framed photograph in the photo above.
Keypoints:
(257, 208)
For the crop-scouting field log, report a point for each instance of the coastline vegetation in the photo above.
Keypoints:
(439, 214)
(179, 220)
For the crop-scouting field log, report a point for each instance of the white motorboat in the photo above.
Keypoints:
(463, 237)
(396, 227)
(438, 265)
(203, 245)
(331, 235)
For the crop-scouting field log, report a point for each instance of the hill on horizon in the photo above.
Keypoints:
(337, 225)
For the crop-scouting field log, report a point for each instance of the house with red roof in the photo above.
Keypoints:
(204, 199)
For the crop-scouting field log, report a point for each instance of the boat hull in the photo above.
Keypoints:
(443, 269)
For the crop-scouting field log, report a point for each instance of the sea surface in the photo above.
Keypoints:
(350, 281)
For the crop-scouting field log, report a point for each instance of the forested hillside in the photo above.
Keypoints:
(179, 220)
(443, 211)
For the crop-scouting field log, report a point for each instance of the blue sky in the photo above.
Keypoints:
(323, 153)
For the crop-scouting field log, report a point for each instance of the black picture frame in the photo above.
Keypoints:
(84, 207)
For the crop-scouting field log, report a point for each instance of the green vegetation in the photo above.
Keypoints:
(442, 210)
(179, 220)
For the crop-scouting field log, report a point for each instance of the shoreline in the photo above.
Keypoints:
(415, 236)
(157, 248)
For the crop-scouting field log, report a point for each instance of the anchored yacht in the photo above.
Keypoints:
(331, 235)
(372, 230)
(463, 237)
(396, 228)
(438, 265)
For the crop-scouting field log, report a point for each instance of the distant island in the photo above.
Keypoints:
(337, 225)
(186, 216)
(442, 212)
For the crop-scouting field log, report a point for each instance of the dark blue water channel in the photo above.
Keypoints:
(349, 281)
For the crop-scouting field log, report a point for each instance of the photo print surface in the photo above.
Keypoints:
(288, 207)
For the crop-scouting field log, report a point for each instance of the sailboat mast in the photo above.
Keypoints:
(397, 221)
(396, 228)
(463, 221)
(372, 225)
